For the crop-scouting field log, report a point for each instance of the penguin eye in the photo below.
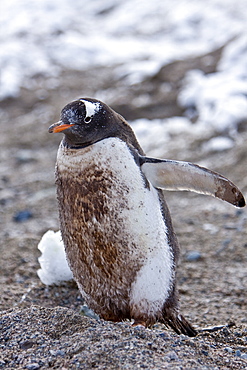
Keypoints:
(87, 119)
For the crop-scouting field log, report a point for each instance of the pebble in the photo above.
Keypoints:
(193, 256)
(24, 156)
(26, 344)
(33, 366)
(172, 356)
(57, 353)
(22, 216)
(228, 349)
(238, 353)
(6, 195)
(212, 229)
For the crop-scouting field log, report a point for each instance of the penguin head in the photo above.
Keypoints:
(86, 121)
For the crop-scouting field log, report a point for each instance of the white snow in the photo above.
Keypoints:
(54, 267)
(220, 98)
(218, 144)
(43, 38)
(156, 135)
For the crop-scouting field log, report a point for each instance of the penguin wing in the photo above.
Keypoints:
(177, 175)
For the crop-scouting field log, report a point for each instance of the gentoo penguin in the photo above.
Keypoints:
(115, 224)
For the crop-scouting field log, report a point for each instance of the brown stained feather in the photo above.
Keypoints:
(227, 191)
(93, 250)
(93, 232)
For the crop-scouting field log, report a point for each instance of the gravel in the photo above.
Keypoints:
(59, 337)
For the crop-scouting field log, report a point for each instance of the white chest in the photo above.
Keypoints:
(126, 212)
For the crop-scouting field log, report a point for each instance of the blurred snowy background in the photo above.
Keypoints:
(136, 38)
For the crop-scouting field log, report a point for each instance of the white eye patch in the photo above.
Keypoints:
(91, 108)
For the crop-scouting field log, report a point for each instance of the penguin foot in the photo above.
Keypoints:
(139, 323)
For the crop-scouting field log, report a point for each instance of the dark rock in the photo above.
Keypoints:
(26, 344)
(22, 216)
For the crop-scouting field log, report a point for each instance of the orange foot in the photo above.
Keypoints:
(139, 322)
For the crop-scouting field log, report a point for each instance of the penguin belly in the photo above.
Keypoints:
(114, 231)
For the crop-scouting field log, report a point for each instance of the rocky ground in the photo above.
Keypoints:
(41, 326)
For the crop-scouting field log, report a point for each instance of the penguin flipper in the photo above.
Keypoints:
(178, 175)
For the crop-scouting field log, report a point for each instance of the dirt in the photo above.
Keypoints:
(42, 326)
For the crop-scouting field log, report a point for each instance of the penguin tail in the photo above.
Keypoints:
(180, 325)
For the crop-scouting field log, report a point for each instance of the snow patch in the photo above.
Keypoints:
(220, 99)
(54, 267)
(218, 144)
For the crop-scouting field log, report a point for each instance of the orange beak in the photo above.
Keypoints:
(58, 127)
